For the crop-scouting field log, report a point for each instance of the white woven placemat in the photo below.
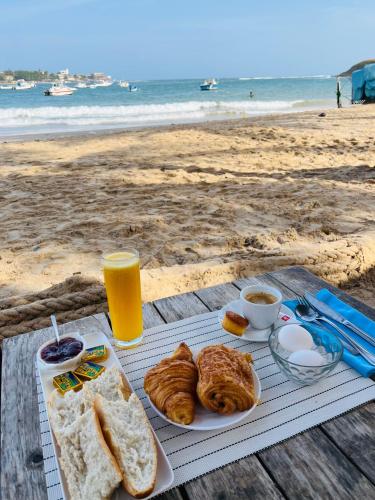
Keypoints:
(286, 410)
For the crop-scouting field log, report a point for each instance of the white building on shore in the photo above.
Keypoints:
(63, 74)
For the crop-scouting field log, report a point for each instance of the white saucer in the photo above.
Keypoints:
(251, 334)
(206, 420)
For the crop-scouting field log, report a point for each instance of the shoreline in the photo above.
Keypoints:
(84, 134)
(204, 203)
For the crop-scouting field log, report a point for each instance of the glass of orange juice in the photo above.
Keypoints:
(123, 286)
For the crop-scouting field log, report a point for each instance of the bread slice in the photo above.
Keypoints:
(112, 385)
(131, 440)
(89, 467)
(64, 410)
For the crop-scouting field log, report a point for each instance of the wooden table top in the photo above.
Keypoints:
(333, 460)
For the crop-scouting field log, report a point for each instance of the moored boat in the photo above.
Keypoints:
(103, 83)
(23, 85)
(210, 84)
(81, 85)
(123, 84)
(58, 90)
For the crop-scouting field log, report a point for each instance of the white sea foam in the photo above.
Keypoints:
(322, 77)
(65, 118)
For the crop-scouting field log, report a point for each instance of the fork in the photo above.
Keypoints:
(365, 353)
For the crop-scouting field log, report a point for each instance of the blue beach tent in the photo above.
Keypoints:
(363, 84)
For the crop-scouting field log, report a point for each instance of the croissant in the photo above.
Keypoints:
(225, 381)
(171, 385)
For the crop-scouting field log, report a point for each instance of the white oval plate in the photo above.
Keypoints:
(206, 420)
(251, 334)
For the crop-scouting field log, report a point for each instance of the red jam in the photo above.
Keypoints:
(67, 348)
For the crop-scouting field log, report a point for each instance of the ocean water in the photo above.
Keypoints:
(159, 102)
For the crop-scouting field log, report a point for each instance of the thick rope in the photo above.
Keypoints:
(38, 323)
(74, 284)
(75, 298)
(52, 305)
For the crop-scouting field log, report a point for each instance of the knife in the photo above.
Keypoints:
(331, 313)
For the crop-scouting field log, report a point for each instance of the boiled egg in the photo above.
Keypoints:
(294, 338)
(306, 357)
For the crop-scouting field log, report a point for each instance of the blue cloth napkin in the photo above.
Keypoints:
(358, 319)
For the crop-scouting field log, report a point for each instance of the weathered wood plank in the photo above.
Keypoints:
(300, 280)
(217, 296)
(179, 307)
(21, 460)
(266, 279)
(254, 478)
(309, 466)
(354, 434)
(173, 494)
(151, 317)
(244, 479)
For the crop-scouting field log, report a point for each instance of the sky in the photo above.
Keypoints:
(160, 39)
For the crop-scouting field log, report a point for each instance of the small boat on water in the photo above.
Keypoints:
(58, 90)
(81, 85)
(103, 83)
(124, 84)
(23, 85)
(132, 88)
(210, 84)
(6, 87)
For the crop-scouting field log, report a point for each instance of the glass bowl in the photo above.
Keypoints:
(325, 343)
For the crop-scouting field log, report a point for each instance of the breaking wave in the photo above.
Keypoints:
(323, 77)
(71, 118)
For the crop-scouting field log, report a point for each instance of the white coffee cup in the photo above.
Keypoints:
(261, 316)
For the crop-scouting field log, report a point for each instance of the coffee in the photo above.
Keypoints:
(261, 298)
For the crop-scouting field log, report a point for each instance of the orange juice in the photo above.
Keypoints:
(123, 286)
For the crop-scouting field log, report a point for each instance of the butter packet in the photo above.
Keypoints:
(89, 370)
(66, 382)
(97, 353)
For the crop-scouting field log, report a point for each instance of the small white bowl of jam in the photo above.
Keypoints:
(64, 355)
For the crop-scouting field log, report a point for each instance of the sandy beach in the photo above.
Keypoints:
(202, 203)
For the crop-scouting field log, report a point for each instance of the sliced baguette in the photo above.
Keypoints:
(129, 436)
(89, 467)
(64, 410)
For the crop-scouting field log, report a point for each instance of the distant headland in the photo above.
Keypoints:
(359, 65)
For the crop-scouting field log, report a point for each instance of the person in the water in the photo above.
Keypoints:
(251, 94)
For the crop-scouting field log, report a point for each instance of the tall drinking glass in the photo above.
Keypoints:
(123, 286)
